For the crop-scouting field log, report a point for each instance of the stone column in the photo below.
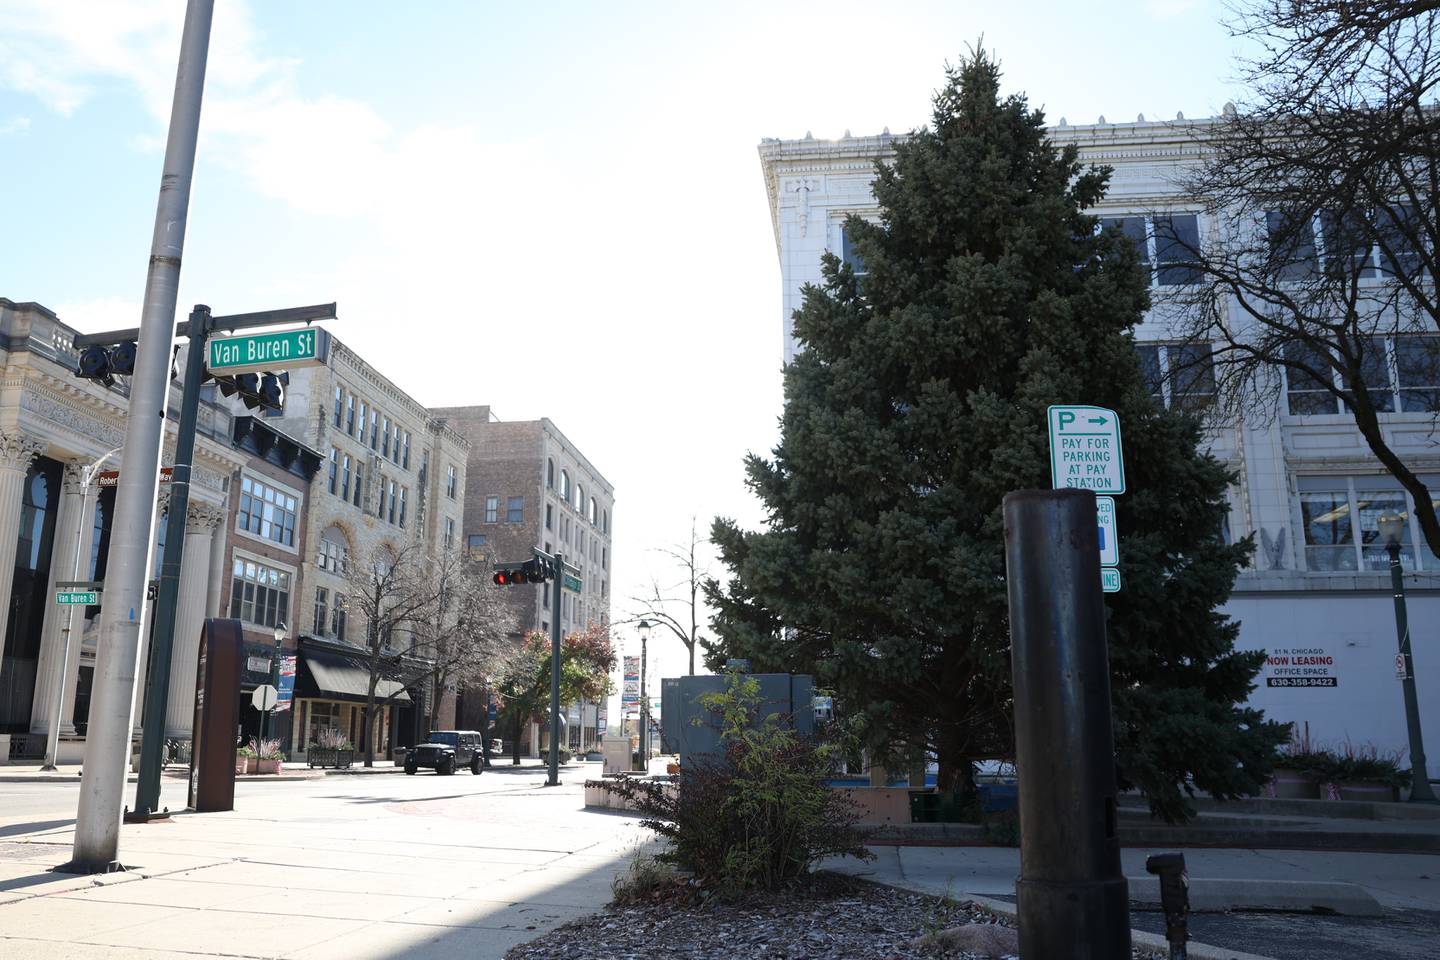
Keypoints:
(77, 625)
(16, 453)
(68, 527)
(201, 521)
(219, 570)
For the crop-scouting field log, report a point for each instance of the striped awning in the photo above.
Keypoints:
(347, 678)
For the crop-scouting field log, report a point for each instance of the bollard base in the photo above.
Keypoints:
(1078, 920)
(90, 866)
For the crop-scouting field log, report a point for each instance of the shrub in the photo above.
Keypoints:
(1302, 755)
(1366, 764)
(758, 817)
(647, 879)
(265, 749)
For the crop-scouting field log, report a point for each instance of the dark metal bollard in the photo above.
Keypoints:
(1071, 895)
(1174, 898)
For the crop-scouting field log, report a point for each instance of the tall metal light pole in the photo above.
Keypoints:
(52, 739)
(280, 631)
(1392, 531)
(554, 778)
(107, 746)
(643, 628)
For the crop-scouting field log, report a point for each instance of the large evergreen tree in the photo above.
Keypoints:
(918, 401)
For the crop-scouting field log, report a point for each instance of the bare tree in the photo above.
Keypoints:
(390, 589)
(466, 630)
(678, 606)
(1324, 191)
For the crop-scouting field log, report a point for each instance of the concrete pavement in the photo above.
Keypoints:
(364, 868)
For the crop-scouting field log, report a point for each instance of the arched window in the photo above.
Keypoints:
(549, 474)
(334, 550)
(605, 521)
(564, 486)
(579, 499)
(592, 511)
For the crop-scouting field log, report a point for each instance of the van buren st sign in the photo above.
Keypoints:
(255, 352)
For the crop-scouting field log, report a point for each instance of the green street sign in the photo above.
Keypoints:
(1109, 580)
(254, 352)
(85, 598)
(572, 583)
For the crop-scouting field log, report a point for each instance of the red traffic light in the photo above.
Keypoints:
(505, 578)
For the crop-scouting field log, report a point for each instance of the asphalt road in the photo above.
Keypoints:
(1404, 935)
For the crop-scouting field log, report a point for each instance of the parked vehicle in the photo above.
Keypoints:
(446, 751)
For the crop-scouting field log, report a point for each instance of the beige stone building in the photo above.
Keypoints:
(57, 431)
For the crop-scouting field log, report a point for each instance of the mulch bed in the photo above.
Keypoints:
(838, 918)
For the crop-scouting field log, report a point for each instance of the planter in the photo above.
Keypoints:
(242, 764)
(1367, 791)
(337, 759)
(1291, 784)
(267, 766)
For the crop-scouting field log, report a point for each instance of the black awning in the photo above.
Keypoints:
(329, 676)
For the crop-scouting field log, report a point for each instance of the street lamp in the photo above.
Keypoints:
(280, 631)
(52, 739)
(643, 628)
(1392, 532)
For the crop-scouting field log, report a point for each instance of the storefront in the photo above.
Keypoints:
(331, 688)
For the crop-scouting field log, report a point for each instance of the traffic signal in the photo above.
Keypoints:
(531, 571)
(104, 364)
(255, 389)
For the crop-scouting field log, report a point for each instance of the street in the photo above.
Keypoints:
(372, 866)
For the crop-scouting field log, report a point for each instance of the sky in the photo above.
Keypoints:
(555, 209)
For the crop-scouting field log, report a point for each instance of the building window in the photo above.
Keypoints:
(374, 428)
(1400, 373)
(549, 517)
(605, 522)
(604, 558)
(450, 480)
(259, 594)
(1166, 245)
(350, 414)
(345, 477)
(565, 487)
(322, 610)
(492, 509)
(1340, 518)
(380, 512)
(267, 512)
(475, 542)
(362, 422)
(514, 509)
(402, 507)
(359, 478)
(592, 516)
(332, 553)
(564, 529)
(385, 437)
(405, 454)
(848, 254)
(448, 537)
(337, 617)
(579, 503)
(339, 394)
(1179, 375)
(391, 487)
(334, 469)
(549, 474)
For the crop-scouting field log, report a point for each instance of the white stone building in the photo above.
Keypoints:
(1309, 489)
(53, 427)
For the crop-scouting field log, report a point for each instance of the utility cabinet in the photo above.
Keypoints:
(790, 695)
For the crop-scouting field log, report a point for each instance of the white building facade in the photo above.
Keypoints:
(1317, 594)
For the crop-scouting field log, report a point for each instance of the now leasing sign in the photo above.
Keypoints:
(1085, 449)
(255, 352)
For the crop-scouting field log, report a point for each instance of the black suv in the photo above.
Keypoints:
(447, 751)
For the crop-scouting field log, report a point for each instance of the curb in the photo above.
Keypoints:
(1139, 938)
(1133, 835)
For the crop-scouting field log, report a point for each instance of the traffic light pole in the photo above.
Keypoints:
(554, 779)
(157, 692)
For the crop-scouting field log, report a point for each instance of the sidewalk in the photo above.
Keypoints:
(289, 771)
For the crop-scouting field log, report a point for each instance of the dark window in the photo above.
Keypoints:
(515, 510)
(259, 594)
(1292, 244)
(1192, 375)
(405, 455)
(322, 610)
(1150, 369)
(549, 517)
(334, 470)
(345, 477)
(1134, 229)
(549, 474)
(350, 414)
(1396, 229)
(1306, 394)
(402, 506)
(475, 540)
(1177, 245)
(392, 501)
(339, 394)
(361, 421)
(29, 599)
(450, 481)
(492, 509)
(374, 429)
(849, 255)
(1375, 374)
(1347, 244)
(337, 617)
(1417, 364)
(358, 479)
(385, 436)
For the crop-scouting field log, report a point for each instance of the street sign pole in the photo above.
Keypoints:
(554, 779)
(157, 693)
(107, 747)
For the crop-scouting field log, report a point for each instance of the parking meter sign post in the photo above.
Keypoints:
(1085, 451)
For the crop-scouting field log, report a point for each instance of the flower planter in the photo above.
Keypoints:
(267, 766)
(1367, 791)
(1291, 784)
(242, 765)
(338, 759)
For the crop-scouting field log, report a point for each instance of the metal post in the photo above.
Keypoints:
(107, 747)
(644, 710)
(554, 779)
(1071, 894)
(157, 693)
(1174, 899)
(52, 737)
(1420, 789)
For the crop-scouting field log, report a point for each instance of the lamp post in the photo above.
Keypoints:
(1392, 531)
(643, 628)
(52, 738)
(280, 631)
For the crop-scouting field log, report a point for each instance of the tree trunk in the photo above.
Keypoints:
(515, 744)
(957, 770)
